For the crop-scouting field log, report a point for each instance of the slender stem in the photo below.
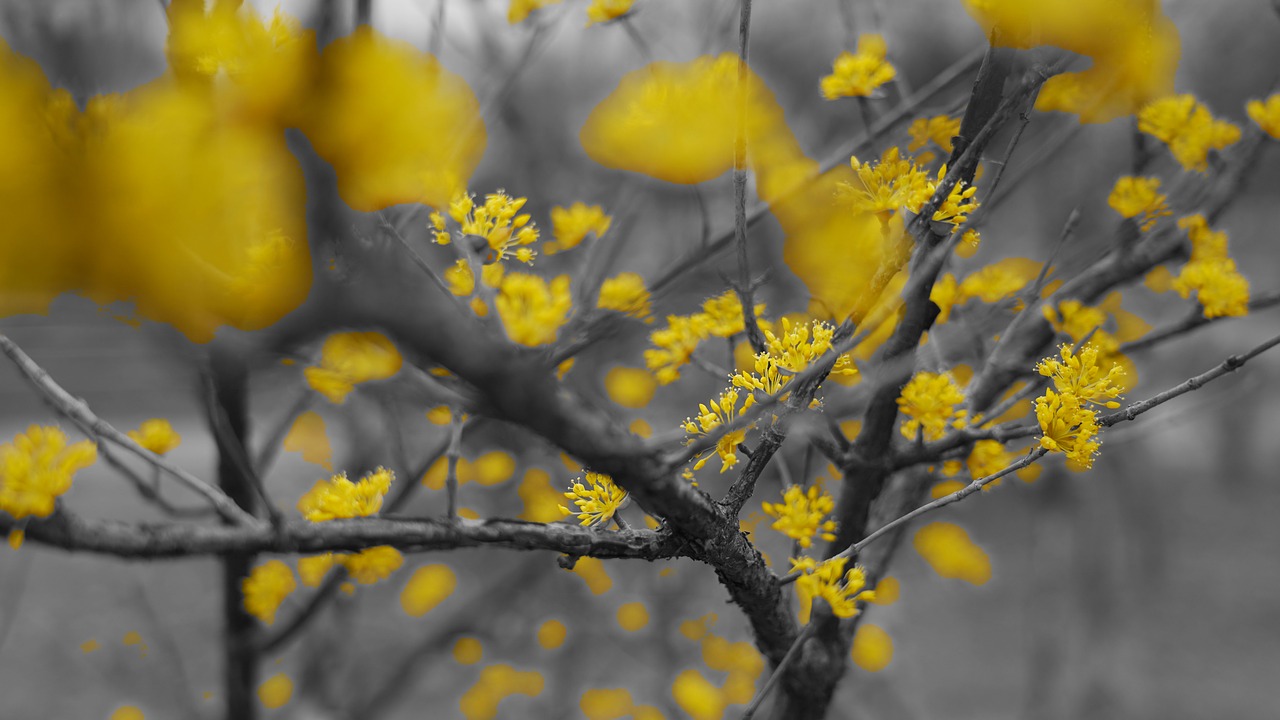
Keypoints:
(455, 449)
(778, 671)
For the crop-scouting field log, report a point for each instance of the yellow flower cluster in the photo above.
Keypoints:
(829, 580)
(674, 345)
(571, 225)
(992, 283)
(859, 74)
(600, 11)
(929, 401)
(497, 222)
(1188, 128)
(1211, 274)
(533, 310)
(720, 411)
(37, 467)
(350, 358)
(626, 293)
(1267, 114)
(1135, 197)
(940, 130)
(265, 588)
(896, 182)
(789, 352)
(462, 282)
(156, 435)
(1068, 423)
(365, 567)
(800, 515)
(338, 498)
(597, 504)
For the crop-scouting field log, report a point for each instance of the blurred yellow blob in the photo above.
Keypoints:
(606, 703)
(541, 500)
(872, 648)
(468, 651)
(551, 634)
(946, 487)
(350, 358)
(427, 587)
(16, 538)
(641, 427)
(493, 468)
(128, 712)
(630, 387)
(697, 629)
(156, 435)
(1133, 45)
(887, 591)
(675, 121)
(429, 134)
(275, 691)
(949, 551)
(132, 638)
(89, 646)
(593, 574)
(698, 697)
(307, 436)
(633, 616)
(496, 682)
(441, 415)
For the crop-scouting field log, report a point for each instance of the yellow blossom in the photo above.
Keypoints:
(600, 11)
(955, 208)
(1068, 427)
(829, 580)
(1221, 290)
(532, 310)
(1139, 197)
(266, 587)
(1267, 114)
(1188, 128)
(156, 435)
(939, 130)
(946, 294)
(929, 401)
(597, 504)
(311, 570)
(350, 358)
(859, 74)
(497, 222)
(626, 293)
(999, 280)
(884, 187)
(674, 345)
(988, 457)
(800, 515)
(969, 243)
(571, 225)
(371, 564)
(37, 467)
(1076, 320)
(1206, 244)
(1083, 376)
(338, 497)
(721, 411)
(518, 10)
(462, 282)
(724, 313)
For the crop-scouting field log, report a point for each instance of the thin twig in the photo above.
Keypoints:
(779, 670)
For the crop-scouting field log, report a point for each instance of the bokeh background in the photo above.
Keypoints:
(1146, 588)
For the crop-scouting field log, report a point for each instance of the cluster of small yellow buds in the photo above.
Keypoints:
(897, 182)
(350, 358)
(841, 589)
(1211, 274)
(1188, 128)
(571, 225)
(859, 74)
(721, 411)
(533, 310)
(1068, 422)
(338, 498)
(929, 402)
(496, 222)
(597, 503)
(626, 293)
(674, 345)
(1139, 199)
(789, 352)
(800, 515)
(37, 467)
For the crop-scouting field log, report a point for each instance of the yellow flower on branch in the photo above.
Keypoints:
(532, 310)
(1083, 376)
(38, 467)
(1267, 114)
(600, 11)
(350, 358)
(884, 187)
(940, 130)
(371, 564)
(1219, 287)
(497, 222)
(338, 497)
(859, 74)
(1188, 128)
(1139, 199)
(1068, 427)
(597, 504)
(929, 402)
(720, 411)
(674, 345)
(842, 589)
(571, 225)
(626, 293)
(156, 435)
(800, 515)
(266, 587)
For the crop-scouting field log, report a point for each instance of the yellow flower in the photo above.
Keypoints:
(350, 358)
(800, 344)
(958, 204)
(597, 504)
(605, 10)
(1076, 320)
(800, 515)
(1135, 197)
(721, 411)
(1082, 376)
(674, 345)
(1188, 128)
(371, 564)
(462, 282)
(929, 400)
(1221, 290)
(338, 497)
(266, 587)
(998, 281)
(940, 130)
(883, 188)
(532, 310)
(1266, 114)
(571, 226)
(946, 294)
(1068, 427)
(988, 457)
(498, 222)
(37, 467)
(859, 74)
(626, 293)
(518, 10)
(724, 313)
(842, 589)
(156, 435)
(311, 570)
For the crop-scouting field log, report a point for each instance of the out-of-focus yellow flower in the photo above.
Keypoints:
(518, 10)
(1133, 45)
(951, 553)
(597, 504)
(859, 74)
(338, 497)
(571, 226)
(1267, 114)
(600, 11)
(266, 587)
(1218, 285)
(940, 130)
(371, 564)
(626, 293)
(350, 358)
(1139, 197)
(674, 345)
(676, 121)
(1188, 128)
(800, 515)
(396, 126)
(37, 467)
(533, 310)
(156, 435)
